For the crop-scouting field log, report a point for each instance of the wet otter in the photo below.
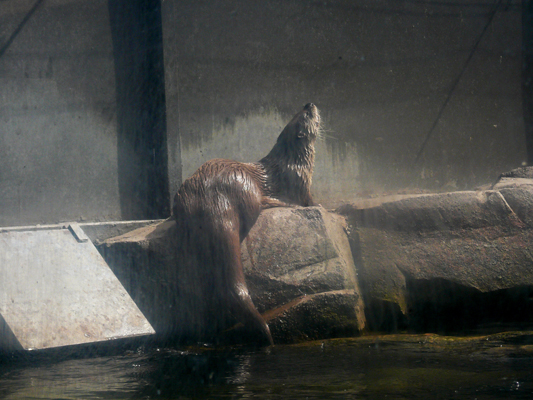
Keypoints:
(214, 210)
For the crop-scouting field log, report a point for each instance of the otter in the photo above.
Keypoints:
(215, 209)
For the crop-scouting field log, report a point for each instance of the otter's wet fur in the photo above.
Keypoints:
(215, 209)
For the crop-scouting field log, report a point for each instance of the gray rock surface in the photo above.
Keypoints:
(290, 257)
(317, 316)
(298, 267)
(449, 263)
(445, 262)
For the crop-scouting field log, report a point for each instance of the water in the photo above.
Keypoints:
(385, 367)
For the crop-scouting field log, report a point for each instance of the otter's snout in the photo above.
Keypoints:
(312, 111)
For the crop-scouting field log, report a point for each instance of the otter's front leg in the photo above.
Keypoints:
(270, 202)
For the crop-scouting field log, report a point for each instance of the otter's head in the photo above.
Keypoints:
(304, 126)
(289, 165)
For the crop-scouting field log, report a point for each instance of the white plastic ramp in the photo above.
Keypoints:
(57, 290)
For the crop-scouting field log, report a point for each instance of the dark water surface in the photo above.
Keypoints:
(379, 367)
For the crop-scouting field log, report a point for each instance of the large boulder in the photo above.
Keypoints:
(300, 271)
(298, 267)
(445, 262)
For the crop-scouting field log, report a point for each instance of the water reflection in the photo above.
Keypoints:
(71, 379)
(405, 367)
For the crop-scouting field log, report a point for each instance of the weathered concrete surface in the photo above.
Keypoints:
(379, 72)
(97, 232)
(143, 261)
(444, 262)
(58, 142)
(298, 266)
(56, 290)
(100, 231)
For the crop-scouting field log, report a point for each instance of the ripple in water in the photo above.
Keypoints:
(367, 368)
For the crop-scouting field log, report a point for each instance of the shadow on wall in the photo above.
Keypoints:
(140, 87)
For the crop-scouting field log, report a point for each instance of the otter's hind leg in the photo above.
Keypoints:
(221, 256)
(239, 302)
(254, 328)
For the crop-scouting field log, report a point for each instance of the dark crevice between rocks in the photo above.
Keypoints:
(381, 315)
(384, 316)
(444, 307)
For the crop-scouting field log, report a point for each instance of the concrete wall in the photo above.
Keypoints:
(379, 70)
(58, 130)
(72, 138)
(83, 133)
